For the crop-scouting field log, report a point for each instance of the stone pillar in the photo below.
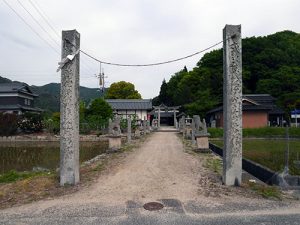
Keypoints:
(128, 129)
(158, 123)
(193, 132)
(175, 120)
(69, 110)
(183, 126)
(232, 105)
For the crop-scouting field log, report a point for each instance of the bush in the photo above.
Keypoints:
(30, 122)
(53, 124)
(8, 124)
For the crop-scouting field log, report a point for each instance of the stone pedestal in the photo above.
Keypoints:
(137, 133)
(202, 142)
(114, 143)
(188, 133)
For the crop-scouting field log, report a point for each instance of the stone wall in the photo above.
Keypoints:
(22, 138)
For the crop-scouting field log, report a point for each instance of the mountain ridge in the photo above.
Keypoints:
(49, 94)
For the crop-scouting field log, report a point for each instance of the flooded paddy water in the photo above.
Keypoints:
(29, 156)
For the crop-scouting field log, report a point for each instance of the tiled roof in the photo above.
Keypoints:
(244, 108)
(19, 107)
(262, 99)
(260, 102)
(15, 88)
(130, 104)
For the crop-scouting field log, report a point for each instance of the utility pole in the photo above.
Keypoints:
(69, 108)
(101, 78)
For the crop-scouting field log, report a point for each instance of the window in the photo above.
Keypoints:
(27, 101)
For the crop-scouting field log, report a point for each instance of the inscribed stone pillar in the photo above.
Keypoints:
(128, 129)
(232, 105)
(69, 110)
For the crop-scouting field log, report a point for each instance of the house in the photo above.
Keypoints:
(259, 110)
(17, 98)
(295, 115)
(138, 107)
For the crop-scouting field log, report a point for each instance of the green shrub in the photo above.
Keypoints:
(8, 124)
(52, 124)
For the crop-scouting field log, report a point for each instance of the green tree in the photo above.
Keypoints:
(163, 95)
(99, 107)
(271, 65)
(122, 90)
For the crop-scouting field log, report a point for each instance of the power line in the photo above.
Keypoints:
(55, 41)
(30, 26)
(149, 64)
(40, 12)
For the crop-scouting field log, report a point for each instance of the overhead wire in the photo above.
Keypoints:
(41, 26)
(32, 29)
(44, 15)
(150, 64)
(84, 52)
(47, 19)
(38, 23)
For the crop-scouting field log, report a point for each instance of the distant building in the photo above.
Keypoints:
(125, 107)
(259, 110)
(295, 116)
(17, 98)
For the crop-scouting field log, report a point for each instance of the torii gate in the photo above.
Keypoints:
(163, 107)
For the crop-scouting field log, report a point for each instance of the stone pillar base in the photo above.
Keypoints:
(202, 143)
(188, 133)
(114, 143)
(137, 134)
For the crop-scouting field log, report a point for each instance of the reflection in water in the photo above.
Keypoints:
(24, 156)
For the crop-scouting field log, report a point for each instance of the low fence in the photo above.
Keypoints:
(264, 174)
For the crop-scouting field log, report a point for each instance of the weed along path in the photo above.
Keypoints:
(161, 170)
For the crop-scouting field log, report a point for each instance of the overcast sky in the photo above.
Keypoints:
(130, 31)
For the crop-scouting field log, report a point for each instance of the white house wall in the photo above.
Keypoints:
(141, 114)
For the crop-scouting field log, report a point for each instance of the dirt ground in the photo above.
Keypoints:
(159, 169)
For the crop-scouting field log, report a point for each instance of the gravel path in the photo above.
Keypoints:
(159, 170)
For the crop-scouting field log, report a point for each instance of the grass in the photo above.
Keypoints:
(270, 153)
(264, 132)
(23, 187)
(269, 192)
(13, 176)
(214, 164)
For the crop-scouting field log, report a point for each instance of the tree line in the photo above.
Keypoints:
(271, 65)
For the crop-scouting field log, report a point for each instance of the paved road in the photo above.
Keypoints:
(158, 171)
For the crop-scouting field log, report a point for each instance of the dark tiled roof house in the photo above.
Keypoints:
(17, 98)
(259, 110)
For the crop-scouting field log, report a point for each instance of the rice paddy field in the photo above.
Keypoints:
(271, 153)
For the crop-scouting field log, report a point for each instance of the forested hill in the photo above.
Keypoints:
(271, 65)
(49, 94)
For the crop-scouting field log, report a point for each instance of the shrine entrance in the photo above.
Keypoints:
(166, 115)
